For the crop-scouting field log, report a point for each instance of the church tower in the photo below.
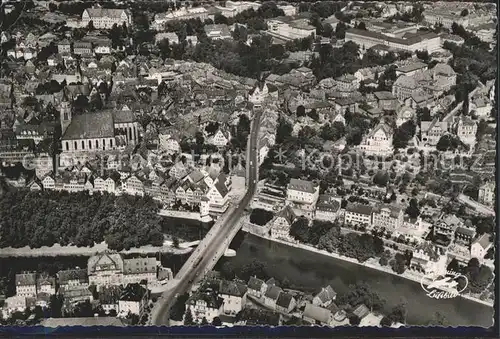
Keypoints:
(64, 114)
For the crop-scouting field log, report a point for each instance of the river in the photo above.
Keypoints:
(310, 271)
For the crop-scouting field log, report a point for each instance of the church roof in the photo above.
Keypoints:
(89, 126)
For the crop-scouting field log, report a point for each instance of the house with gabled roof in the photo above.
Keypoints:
(109, 297)
(317, 315)
(327, 207)
(280, 225)
(466, 130)
(285, 303)
(480, 247)
(105, 269)
(205, 304)
(432, 131)
(378, 141)
(256, 287)
(26, 284)
(218, 196)
(261, 92)
(325, 297)
(220, 138)
(46, 284)
(72, 278)
(234, 295)
(271, 296)
(133, 300)
(302, 192)
(361, 311)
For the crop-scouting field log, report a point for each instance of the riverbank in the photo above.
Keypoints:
(371, 263)
(58, 250)
(184, 215)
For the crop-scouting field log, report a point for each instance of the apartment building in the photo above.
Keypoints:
(388, 216)
(302, 192)
(26, 284)
(357, 214)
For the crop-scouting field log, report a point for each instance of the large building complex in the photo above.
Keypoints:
(104, 18)
(289, 28)
(181, 14)
(411, 42)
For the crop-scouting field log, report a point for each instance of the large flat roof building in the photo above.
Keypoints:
(411, 42)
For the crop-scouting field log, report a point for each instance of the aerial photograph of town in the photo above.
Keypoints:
(238, 163)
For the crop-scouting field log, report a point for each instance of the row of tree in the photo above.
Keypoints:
(327, 236)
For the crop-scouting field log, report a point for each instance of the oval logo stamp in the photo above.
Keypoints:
(444, 286)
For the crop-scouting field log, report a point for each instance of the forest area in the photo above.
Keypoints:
(38, 219)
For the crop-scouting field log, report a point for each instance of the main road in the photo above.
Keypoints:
(206, 252)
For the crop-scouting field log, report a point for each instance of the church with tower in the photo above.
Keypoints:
(100, 131)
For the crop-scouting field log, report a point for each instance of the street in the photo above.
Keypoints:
(205, 254)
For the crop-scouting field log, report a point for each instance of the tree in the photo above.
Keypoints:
(227, 271)
(354, 320)
(299, 229)
(188, 318)
(413, 210)
(381, 178)
(362, 26)
(398, 314)
(386, 321)
(179, 308)
(398, 264)
(313, 114)
(464, 12)
(217, 322)
(333, 131)
(340, 30)
(204, 321)
(403, 134)
(301, 111)
(277, 51)
(423, 55)
(90, 26)
(423, 114)
(449, 142)
(261, 217)
(254, 268)
(384, 258)
(283, 131)
(175, 242)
